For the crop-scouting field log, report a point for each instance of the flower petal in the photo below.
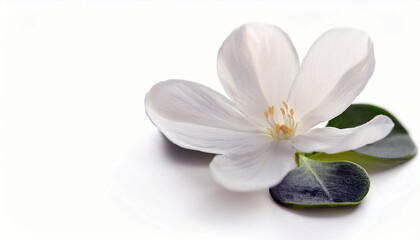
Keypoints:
(259, 170)
(257, 64)
(334, 72)
(196, 117)
(334, 140)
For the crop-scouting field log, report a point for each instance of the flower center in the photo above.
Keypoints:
(281, 127)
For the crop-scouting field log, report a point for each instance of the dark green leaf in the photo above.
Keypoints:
(315, 184)
(397, 145)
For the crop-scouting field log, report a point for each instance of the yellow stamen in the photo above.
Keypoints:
(285, 105)
(285, 129)
(282, 111)
(271, 110)
(278, 128)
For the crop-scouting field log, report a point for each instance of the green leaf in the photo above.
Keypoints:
(396, 146)
(315, 184)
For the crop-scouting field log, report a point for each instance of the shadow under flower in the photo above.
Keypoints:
(181, 155)
(370, 164)
(377, 165)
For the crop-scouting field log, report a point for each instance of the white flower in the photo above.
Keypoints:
(275, 103)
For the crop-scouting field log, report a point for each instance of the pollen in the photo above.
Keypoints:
(266, 114)
(278, 127)
(285, 105)
(271, 110)
(282, 111)
(292, 112)
(285, 129)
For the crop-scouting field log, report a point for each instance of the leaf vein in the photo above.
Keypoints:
(317, 179)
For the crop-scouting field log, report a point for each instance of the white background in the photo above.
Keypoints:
(81, 160)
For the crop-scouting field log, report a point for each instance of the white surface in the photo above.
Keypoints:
(80, 159)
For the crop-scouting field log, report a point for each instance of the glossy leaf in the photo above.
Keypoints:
(315, 184)
(397, 145)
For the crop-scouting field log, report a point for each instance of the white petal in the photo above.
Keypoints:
(334, 140)
(196, 117)
(334, 72)
(259, 170)
(257, 64)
